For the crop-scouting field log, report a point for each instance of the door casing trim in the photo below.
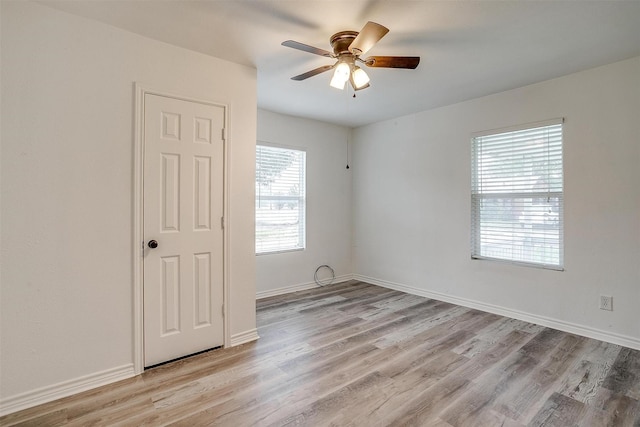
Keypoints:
(138, 219)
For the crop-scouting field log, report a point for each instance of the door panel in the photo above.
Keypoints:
(183, 207)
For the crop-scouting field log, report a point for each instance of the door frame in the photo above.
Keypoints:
(138, 219)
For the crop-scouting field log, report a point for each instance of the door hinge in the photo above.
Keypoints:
(224, 134)
(222, 310)
(222, 222)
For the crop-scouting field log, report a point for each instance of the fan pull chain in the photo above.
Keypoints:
(347, 152)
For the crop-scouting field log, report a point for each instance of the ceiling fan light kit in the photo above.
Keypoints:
(347, 47)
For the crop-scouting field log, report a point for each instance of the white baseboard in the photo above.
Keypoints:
(66, 388)
(244, 337)
(299, 287)
(561, 325)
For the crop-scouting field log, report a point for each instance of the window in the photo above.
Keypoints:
(517, 196)
(280, 199)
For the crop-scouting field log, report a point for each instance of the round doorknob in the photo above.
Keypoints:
(152, 244)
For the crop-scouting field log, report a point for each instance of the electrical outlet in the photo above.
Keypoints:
(606, 302)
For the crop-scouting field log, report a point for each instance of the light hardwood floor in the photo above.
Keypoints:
(354, 354)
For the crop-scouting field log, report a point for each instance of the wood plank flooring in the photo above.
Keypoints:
(355, 354)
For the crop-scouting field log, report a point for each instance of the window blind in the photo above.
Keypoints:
(517, 195)
(280, 199)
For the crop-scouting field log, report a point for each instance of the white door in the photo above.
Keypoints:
(183, 207)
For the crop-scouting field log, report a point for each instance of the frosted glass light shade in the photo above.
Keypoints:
(360, 78)
(337, 82)
(340, 76)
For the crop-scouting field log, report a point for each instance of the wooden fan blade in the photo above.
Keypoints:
(307, 48)
(410, 62)
(312, 72)
(371, 33)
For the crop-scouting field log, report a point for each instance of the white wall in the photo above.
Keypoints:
(67, 192)
(328, 204)
(412, 204)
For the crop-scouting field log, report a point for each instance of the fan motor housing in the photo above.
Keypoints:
(341, 41)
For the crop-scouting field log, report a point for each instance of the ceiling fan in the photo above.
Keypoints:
(347, 48)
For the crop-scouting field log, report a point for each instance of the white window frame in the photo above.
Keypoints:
(532, 242)
(279, 246)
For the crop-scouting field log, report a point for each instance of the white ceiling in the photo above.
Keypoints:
(467, 48)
